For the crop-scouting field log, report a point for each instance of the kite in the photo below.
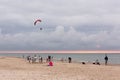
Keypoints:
(38, 20)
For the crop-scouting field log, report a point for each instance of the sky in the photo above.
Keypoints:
(66, 25)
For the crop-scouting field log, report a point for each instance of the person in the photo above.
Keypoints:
(35, 58)
(49, 58)
(23, 56)
(97, 62)
(69, 59)
(62, 60)
(41, 60)
(46, 60)
(106, 59)
(50, 63)
(29, 58)
(83, 62)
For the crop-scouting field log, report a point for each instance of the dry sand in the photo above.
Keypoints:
(19, 69)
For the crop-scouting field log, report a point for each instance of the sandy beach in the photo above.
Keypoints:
(12, 68)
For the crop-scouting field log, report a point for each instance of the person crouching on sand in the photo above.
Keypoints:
(50, 63)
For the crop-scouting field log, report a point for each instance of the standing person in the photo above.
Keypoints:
(62, 60)
(41, 60)
(29, 58)
(35, 58)
(46, 60)
(23, 56)
(49, 58)
(69, 59)
(106, 59)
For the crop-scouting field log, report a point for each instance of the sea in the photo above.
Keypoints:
(113, 58)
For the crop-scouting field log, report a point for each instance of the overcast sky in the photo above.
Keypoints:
(67, 25)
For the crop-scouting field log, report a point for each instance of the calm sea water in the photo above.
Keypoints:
(113, 58)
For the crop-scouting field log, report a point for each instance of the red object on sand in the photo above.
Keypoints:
(50, 63)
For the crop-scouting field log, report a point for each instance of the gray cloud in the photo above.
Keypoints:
(85, 25)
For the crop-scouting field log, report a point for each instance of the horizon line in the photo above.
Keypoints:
(65, 51)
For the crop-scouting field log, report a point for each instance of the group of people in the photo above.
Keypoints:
(49, 60)
(69, 60)
(105, 58)
(96, 62)
(34, 59)
(39, 59)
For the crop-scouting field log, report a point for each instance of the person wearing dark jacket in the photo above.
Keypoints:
(106, 59)
(69, 59)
